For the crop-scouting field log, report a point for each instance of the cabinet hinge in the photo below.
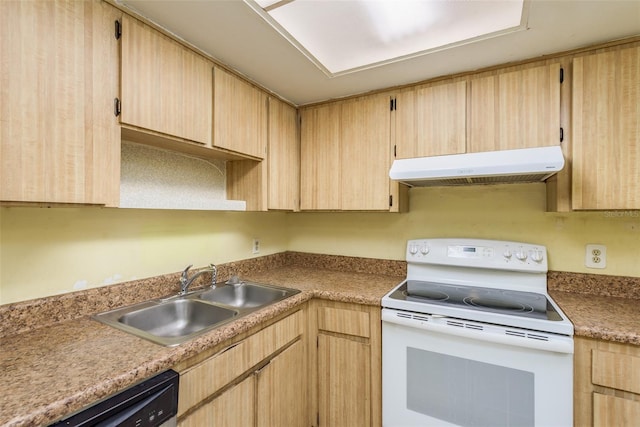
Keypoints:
(390, 200)
(118, 32)
(116, 107)
(561, 134)
(561, 75)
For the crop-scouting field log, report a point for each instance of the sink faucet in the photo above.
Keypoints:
(185, 281)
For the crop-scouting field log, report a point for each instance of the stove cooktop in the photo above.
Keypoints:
(519, 309)
(490, 281)
(513, 303)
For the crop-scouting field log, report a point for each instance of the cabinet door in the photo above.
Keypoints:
(234, 407)
(365, 153)
(282, 390)
(240, 115)
(606, 130)
(166, 87)
(283, 157)
(59, 137)
(519, 109)
(431, 121)
(615, 411)
(320, 157)
(344, 382)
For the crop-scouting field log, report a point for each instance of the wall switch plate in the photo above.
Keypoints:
(255, 249)
(595, 256)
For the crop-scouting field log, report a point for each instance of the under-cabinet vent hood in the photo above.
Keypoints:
(523, 165)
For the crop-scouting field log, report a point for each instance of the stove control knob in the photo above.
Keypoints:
(507, 254)
(424, 249)
(521, 255)
(413, 249)
(537, 256)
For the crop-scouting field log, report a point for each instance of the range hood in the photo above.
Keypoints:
(522, 165)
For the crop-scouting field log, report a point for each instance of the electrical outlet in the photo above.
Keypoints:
(595, 256)
(256, 246)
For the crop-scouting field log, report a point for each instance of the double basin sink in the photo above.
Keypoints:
(172, 321)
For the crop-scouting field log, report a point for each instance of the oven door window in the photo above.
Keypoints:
(468, 393)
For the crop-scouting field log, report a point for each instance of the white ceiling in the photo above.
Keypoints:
(231, 32)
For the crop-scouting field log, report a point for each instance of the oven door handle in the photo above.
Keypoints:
(557, 344)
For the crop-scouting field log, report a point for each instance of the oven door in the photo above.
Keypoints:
(449, 372)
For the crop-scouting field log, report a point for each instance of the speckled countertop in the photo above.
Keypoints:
(602, 317)
(599, 306)
(55, 360)
(58, 369)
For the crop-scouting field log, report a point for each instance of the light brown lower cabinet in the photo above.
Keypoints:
(257, 381)
(606, 383)
(319, 367)
(348, 369)
(233, 407)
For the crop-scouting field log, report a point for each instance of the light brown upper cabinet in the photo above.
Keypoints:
(166, 88)
(283, 158)
(606, 130)
(345, 155)
(320, 162)
(517, 109)
(59, 137)
(240, 115)
(431, 120)
(273, 183)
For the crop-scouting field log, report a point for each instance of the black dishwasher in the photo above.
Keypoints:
(151, 403)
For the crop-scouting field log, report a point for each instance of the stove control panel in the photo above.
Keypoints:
(480, 253)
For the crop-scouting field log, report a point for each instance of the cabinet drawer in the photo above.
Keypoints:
(615, 370)
(615, 411)
(343, 321)
(204, 379)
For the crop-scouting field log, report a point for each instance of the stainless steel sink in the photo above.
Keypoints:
(176, 318)
(172, 321)
(245, 295)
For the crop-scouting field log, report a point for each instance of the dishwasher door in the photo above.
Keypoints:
(151, 403)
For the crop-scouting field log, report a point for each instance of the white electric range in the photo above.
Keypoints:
(472, 338)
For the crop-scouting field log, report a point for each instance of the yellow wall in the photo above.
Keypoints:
(505, 212)
(49, 251)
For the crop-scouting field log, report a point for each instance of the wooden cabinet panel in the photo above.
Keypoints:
(606, 383)
(166, 87)
(345, 155)
(283, 157)
(282, 390)
(240, 115)
(614, 411)
(431, 121)
(349, 322)
(346, 369)
(320, 158)
(273, 183)
(606, 130)
(235, 407)
(344, 382)
(364, 154)
(204, 379)
(614, 370)
(518, 109)
(59, 137)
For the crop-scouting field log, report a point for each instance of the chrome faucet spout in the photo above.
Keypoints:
(185, 281)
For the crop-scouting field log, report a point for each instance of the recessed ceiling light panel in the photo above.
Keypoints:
(343, 36)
